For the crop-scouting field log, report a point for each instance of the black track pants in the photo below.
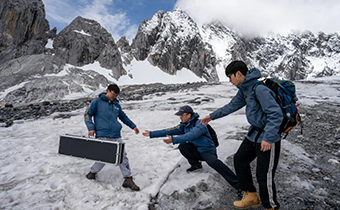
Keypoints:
(265, 170)
(189, 151)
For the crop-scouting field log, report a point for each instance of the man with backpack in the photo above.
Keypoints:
(195, 144)
(263, 140)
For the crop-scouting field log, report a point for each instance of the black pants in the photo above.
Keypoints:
(265, 170)
(189, 151)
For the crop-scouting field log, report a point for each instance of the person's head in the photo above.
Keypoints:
(236, 71)
(112, 92)
(185, 113)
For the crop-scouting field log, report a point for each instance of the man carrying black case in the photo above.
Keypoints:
(106, 110)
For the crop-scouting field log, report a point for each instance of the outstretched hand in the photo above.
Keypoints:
(146, 133)
(168, 140)
(136, 130)
(206, 120)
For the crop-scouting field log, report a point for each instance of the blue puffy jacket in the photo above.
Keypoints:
(266, 114)
(105, 115)
(188, 133)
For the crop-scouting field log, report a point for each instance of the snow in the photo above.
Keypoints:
(49, 44)
(10, 89)
(35, 176)
(144, 73)
(82, 32)
(47, 180)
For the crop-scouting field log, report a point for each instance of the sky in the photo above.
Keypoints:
(123, 17)
(119, 17)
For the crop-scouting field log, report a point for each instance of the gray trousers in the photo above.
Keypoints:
(124, 166)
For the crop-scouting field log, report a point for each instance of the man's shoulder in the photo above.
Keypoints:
(262, 88)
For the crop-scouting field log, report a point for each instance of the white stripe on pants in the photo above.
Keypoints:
(270, 175)
(124, 166)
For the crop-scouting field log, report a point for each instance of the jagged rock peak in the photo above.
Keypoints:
(176, 22)
(23, 28)
(172, 41)
(85, 41)
(123, 45)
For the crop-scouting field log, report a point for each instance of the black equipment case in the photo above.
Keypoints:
(91, 148)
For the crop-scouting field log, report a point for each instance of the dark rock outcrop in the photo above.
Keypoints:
(85, 41)
(23, 28)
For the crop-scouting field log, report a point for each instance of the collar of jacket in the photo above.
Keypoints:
(190, 121)
(251, 77)
(103, 97)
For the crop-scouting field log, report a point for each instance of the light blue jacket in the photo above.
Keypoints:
(106, 114)
(265, 114)
(188, 133)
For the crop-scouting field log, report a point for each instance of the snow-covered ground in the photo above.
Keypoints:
(34, 176)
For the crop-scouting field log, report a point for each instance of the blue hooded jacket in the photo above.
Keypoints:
(188, 133)
(265, 114)
(105, 115)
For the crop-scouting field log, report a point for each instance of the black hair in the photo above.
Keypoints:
(235, 66)
(114, 88)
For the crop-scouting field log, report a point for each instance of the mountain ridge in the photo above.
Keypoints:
(30, 71)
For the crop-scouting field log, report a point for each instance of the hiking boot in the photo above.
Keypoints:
(249, 199)
(194, 168)
(91, 175)
(128, 182)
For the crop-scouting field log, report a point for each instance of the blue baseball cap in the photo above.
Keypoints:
(184, 109)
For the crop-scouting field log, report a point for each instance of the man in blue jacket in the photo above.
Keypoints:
(263, 139)
(195, 144)
(105, 110)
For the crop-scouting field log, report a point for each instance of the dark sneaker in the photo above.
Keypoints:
(194, 168)
(91, 176)
(128, 182)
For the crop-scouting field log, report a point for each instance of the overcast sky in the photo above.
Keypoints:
(263, 16)
(122, 17)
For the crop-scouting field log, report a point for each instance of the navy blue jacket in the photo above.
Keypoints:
(105, 115)
(188, 133)
(265, 114)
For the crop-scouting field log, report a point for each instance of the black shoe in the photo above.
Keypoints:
(91, 176)
(194, 168)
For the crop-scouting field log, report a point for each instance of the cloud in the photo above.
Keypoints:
(114, 21)
(262, 16)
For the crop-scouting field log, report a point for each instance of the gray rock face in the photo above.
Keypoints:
(293, 56)
(172, 41)
(85, 41)
(25, 68)
(56, 87)
(125, 50)
(23, 28)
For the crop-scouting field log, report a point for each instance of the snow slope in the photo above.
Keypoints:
(34, 176)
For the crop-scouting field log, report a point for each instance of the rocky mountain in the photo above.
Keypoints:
(31, 73)
(85, 41)
(36, 64)
(24, 29)
(294, 56)
(172, 41)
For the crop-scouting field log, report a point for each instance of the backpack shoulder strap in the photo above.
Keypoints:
(195, 120)
(257, 83)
